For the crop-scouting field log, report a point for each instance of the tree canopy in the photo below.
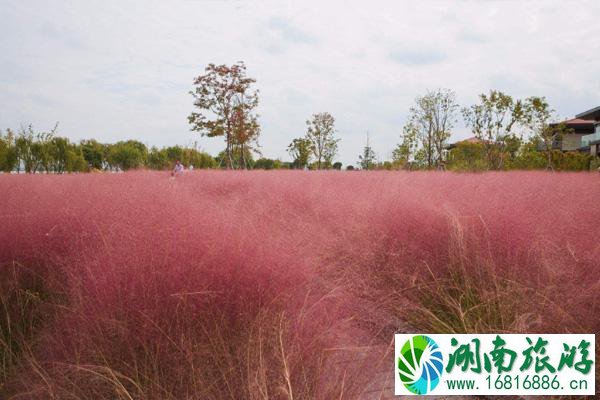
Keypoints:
(321, 134)
(225, 103)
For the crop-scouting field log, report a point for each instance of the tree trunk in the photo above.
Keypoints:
(229, 160)
(244, 164)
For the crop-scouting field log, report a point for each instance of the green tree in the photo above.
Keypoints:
(158, 159)
(467, 156)
(175, 153)
(324, 165)
(321, 134)
(33, 149)
(8, 152)
(93, 153)
(431, 119)
(198, 159)
(406, 150)
(512, 147)
(246, 132)
(368, 159)
(64, 156)
(126, 155)
(225, 103)
(529, 156)
(493, 121)
(386, 165)
(537, 117)
(266, 163)
(300, 150)
(236, 158)
(75, 160)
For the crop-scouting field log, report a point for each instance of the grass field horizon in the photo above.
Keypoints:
(278, 284)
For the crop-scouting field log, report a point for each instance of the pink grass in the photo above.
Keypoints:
(284, 284)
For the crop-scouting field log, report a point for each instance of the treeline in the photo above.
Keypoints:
(520, 155)
(469, 156)
(33, 152)
(508, 133)
(30, 151)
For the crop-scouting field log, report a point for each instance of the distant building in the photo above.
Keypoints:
(584, 134)
(591, 115)
(591, 141)
(579, 128)
(582, 130)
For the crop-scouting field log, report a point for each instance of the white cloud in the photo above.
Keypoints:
(120, 69)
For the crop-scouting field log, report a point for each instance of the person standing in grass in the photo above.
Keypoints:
(178, 169)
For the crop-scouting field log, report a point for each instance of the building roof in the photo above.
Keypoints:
(578, 126)
(472, 139)
(592, 114)
(578, 121)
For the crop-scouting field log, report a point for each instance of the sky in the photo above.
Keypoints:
(115, 70)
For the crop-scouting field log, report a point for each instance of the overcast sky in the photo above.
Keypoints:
(115, 70)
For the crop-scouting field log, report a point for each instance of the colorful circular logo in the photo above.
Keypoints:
(420, 364)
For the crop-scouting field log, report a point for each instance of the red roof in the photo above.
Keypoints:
(576, 121)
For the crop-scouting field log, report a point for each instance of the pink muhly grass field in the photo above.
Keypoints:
(282, 284)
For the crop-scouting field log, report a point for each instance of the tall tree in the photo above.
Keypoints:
(126, 155)
(32, 148)
(537, 115)
(225, 103)
(245, 134)
(198, 159)
(158, 159)
(467, 156)
(8, 151)
(406, 150)
(493, 122)
(64, 156)
(300, 150)
(368, 158)
(432, 118)
(94, 153)
(321, 134)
